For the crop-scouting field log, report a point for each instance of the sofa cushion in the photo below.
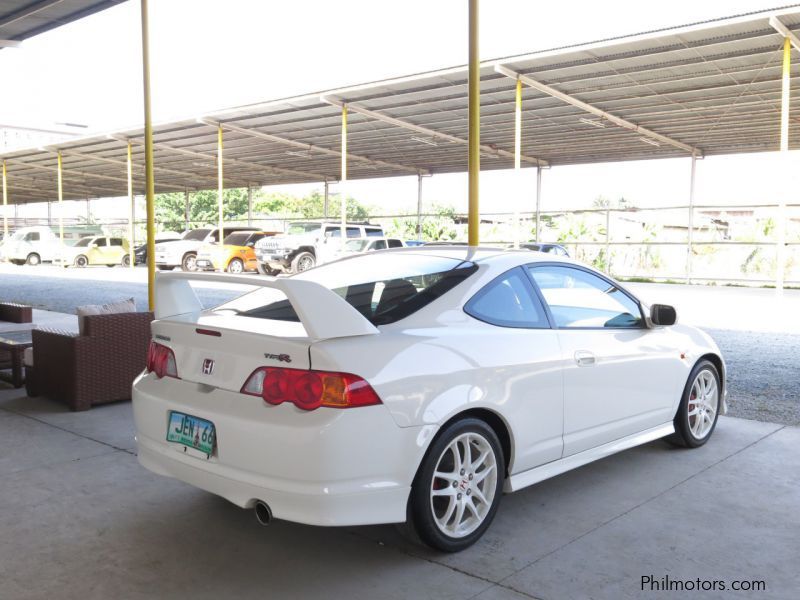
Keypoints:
(112, 308)
(27, 357)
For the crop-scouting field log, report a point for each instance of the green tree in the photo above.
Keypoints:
(203, 207)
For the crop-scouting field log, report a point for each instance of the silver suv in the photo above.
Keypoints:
(307, 244)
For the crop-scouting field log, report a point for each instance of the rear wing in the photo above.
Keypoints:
(323, 313)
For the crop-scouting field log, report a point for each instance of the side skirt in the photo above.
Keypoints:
(557, 467)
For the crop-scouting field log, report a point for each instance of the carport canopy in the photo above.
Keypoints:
(706, 89)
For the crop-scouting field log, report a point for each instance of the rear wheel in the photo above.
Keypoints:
(303, 262)
(458, 487)
(189, 262)
(81, 261)
(235, 266)
(33, 259)
(126, 261)
(699, 408)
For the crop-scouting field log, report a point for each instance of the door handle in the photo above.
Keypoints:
(584, 358)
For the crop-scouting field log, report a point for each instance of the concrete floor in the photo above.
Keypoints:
(79, 518)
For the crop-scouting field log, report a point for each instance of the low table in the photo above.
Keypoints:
(15, 342)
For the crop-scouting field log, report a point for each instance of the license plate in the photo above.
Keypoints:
(192, 432)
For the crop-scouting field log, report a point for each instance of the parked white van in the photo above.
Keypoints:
(34, 245)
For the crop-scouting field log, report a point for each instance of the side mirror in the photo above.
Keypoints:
(93, 246)
(663, 314)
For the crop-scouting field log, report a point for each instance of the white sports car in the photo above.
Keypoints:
(414, 385)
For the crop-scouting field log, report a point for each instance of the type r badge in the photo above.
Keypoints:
(208, 366)
(279, 357)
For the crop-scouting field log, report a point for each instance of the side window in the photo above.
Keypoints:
(116, 241)
(353, 232)
(378, 245)
(373, 232)
(578, 298)
(33, 236)
(214, 237)
(100, 242)
(508, 301)
(395, 244)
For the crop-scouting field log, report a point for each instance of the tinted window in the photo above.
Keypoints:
(577, 298)
(100, 242)
(236, 239)
(395, 244)
(378, 245)
(508, 301)
(352, 232)
(32, 237)
(196, 235)
(116, 241)
(373, 232)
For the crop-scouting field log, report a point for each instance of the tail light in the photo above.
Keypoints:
(310, 389)
(161, 361)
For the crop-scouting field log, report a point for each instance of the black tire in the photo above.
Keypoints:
(33, 259)
(81, 261)
(421, 515)
(126, 260)
(303, 262)
(163, 267)
(188, 262)
(17, 261)
(265, 270)
(235, 266)
(683, 435)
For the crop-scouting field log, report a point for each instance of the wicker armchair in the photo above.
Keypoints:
(15, 313)
(96, 367)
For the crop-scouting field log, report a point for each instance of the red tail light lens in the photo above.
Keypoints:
(310, 389)
(161, 361)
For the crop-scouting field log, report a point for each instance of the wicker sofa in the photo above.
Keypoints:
(11, 312)
(95, 367)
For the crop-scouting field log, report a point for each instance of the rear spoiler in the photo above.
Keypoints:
(323, 313)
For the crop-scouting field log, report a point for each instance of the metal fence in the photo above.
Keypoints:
(706, 243)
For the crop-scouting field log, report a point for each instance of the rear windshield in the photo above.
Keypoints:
(415, 282)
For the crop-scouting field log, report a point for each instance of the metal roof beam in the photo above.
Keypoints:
(425, 131)
(213, 158)
(309, 147)
(27, 11)
(114, 161)
(67, 170)
(625, 124)
(778, 26)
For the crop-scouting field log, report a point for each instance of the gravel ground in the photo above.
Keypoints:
(762, 371)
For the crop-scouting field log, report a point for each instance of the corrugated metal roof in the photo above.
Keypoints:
(714, 87)
(21, 19)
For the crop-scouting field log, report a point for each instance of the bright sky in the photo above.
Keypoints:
(209, 55)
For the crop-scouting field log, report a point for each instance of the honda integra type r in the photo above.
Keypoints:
(413, 386)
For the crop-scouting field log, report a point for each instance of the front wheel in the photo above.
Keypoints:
(458, 487)
(699, 408)
(189, 262)
(303, 262)
(81, 261)
(33, 259)
(265, 270)
(126, 260)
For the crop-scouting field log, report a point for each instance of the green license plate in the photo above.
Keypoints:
(192, 432)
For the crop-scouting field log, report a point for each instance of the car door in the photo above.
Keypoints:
(250, 260)
(97, 251)
(115, 251)
(620, 377)
(519, 359)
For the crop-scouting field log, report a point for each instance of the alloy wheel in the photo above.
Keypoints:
(703, 404)
(464, 484)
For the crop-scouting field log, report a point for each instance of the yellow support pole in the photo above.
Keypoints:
(780, 271)
(60, 201)
(343, 185)
(132, 214)
(220, 185)
(517, 155)
(5, 203)
(474, 116)
(148, 163)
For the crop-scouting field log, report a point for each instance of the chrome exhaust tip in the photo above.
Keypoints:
(263, 513)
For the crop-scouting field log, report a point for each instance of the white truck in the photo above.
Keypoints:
(183, 252)
(35, 245)
(307, 244)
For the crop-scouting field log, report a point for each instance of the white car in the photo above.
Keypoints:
(415, 384)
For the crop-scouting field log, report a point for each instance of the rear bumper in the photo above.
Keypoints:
(325, 467)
